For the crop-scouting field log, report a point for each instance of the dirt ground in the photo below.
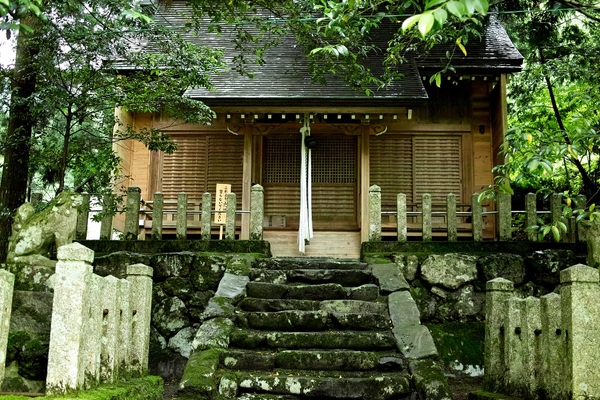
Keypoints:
(461, 387)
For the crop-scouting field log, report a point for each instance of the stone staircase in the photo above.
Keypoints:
(315, 328)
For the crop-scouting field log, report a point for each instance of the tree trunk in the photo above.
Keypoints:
(65, 151)
(13, 187)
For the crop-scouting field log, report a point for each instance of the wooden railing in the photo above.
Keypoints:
(182, 216)
(468, 220)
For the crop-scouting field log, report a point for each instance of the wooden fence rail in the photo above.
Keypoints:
(178, 215)
(475, 217)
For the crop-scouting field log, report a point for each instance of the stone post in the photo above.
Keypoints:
(7, 283)
(557, 215)
(124, 334)
(257, 211)
(206, 217)
(110, 329)
(108, 202)
(592, 237)
(230, 216)
(476, 218)
(181, 224)
(531, 329)
(374, 213)
(36, 198)
(93, 329)
(514, 360)
(552, 348)
(140, 278)
(504, 217)
(157, 215)
(401, 217)
(580, 297)
(82, 217)
(531, 216)
(498, 291)
(132, 213)
(451, 216)
(426, 217)
(66, 356)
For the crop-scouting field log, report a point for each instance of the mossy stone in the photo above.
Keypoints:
(199, 377)
(459, 342)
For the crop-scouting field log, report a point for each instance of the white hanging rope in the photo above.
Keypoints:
(305, 230)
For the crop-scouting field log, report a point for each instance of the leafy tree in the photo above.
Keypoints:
(554, 141)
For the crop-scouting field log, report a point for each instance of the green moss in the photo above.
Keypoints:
(199, 376)
(462, 342)
(146, 388)
(240, 265)
(376, 259)
(483, 395)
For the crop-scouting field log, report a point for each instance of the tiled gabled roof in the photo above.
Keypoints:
(284, 78)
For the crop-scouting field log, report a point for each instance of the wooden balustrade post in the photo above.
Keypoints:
(108, 201)
(504, 217)
(426, 217)
(181, 225)
(257, 210)
(132, 212)
(531, 216)
(451, 214)
(157, 215)
(476, 218)
(206, 216)
(401, 218)
(230, 216)
(82, 217)
(374, 214)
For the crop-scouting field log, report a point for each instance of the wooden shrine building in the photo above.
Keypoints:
(410, 138)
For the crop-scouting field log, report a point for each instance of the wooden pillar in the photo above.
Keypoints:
(246, 182)
(365, 183)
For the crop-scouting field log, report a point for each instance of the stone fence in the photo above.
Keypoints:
(474, 217)
(100, 326)
(182, 216)
(548, 347)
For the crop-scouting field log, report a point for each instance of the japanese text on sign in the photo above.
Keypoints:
(223, 189)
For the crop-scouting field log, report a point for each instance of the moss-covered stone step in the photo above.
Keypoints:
(294, 320)
(343, 277)
(355, 340)
(291, 263)
(336, 360)
(326, 291)
(272, 305)
(259, 396)
(375, 386)
(286, 320)
(354, 306)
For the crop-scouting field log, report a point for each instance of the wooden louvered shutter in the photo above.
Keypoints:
(437, 167)
(391, 167)
(200, 162)
(226, 164)
(185, 169)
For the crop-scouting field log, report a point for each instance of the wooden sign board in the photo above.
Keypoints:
(223, 189)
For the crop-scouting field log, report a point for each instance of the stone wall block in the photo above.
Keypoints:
(514, 359)
(66, 361)
(498, 291)
(140, 278)
(7, 283)
(580, 296)
(553, 348)
(450, 271)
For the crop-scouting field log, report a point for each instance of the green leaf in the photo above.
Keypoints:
(440, 16)
(425, 25)
(556, 233)
(507, 189)
(410, 21)
(481, 6)
(533, 165)
(433, 3)
(562, 226)
(592, 207)
(456, 8)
